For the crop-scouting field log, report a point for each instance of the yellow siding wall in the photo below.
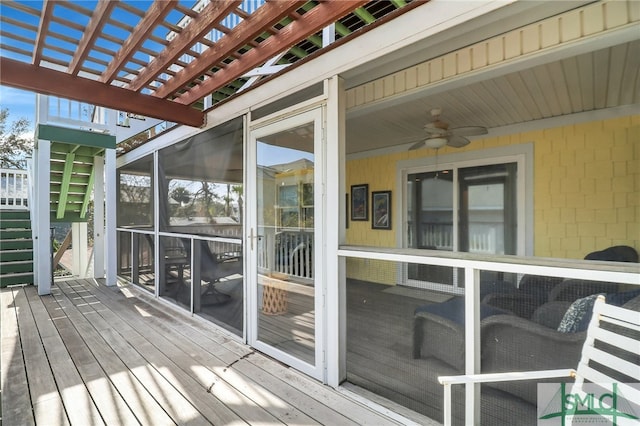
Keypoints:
(586, 190)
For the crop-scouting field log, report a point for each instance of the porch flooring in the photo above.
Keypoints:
(90, 354)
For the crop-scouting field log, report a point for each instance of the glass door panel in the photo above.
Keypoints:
(430, 213)
(284, 288)
(488, 209)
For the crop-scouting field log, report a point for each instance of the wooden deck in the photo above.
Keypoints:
(89, 354)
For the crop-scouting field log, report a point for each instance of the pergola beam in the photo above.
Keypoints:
(311, 22)
(199, 26)
(266, 16)
(99, 17)
(156, 13)
(46, 81)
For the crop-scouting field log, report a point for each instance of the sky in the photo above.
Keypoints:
(21, 104)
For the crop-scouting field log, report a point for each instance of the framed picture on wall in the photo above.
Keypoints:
(381, 210)
(360, 202)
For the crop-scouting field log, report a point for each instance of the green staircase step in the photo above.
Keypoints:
(11, 234)
(16, 279)
(12, 255)
(15, 224)
(16, 266)
(16, 248)
(14, 214)
(78, 169)
(22, 243)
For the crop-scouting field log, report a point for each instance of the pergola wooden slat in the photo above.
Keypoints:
(309, 23)
(196, 30)
(43, 28)
(153, 17)
(98, 19)
(248, 29)
(148, 62)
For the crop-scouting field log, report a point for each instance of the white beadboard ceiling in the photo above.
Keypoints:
(597, 80)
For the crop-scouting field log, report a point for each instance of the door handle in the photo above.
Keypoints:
(252, 238)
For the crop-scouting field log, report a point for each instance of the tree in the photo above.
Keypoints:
(14, 145)
(238, 190)
(207, 196)
(183, 197)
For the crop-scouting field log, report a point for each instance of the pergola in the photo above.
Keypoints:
(162, 58)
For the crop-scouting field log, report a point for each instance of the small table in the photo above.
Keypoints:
(176, 263)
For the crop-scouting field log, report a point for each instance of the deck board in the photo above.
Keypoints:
(45, 399)
(246, 380)
(151, 366)
(98, 355)
(171, 357)
(146, 409)
(108, 400)
(74, 392)
(16, 408)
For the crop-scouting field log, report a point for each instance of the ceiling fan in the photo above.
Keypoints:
(439, 134)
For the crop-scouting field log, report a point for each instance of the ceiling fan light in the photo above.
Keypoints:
(435, 143)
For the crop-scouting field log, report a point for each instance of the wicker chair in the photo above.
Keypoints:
(532, 292)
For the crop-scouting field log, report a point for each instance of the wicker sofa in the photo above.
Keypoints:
(508, 343)
(534, 290)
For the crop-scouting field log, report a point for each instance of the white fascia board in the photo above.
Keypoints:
(170, 137)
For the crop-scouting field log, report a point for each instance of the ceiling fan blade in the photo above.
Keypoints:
(457, 141)
(416, 145)
(435, 132)
(469, 131)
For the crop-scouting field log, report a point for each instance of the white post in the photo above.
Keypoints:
(328, 35)
(446, 414)
(42, 242)
(80, 248)
(472, 343)
(158, 272)
(335, 306)
(111, 120)
(42, 109)
(111, 246)
(208, 102)
(98, 217)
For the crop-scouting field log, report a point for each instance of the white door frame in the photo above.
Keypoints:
(521, 156)
(315, 115)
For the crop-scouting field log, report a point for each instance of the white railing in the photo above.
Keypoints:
(483, 237)
(14, 190)
(292, 254)
(80, 115)
(437, 236)
(473, 264)
(484, 240)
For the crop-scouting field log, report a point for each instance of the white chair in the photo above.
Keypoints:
(617, 327)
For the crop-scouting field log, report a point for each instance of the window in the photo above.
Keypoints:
(135, 194)
(295, 201)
